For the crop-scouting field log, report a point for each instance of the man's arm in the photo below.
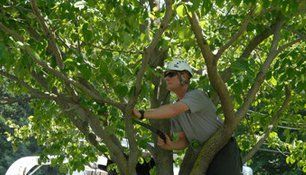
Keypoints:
(181, 143)
(163, 112)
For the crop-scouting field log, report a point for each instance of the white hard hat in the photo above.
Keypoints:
(179, 65)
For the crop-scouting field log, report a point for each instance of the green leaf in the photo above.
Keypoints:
(220, 3)
(87, 34)
(207, 6)
(180, 10)
(3, 53)
(236, 2)
(121, 90)
(85, 71)
(273, 81)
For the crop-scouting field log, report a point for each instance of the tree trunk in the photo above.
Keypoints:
(160, 96)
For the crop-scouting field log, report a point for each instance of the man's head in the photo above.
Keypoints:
(177, 74)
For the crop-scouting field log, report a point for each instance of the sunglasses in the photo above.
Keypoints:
(170, 74)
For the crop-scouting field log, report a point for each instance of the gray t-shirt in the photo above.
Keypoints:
(200, 121)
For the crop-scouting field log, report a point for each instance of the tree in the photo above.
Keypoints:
(86, 64)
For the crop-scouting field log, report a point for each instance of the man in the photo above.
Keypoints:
(193, 119)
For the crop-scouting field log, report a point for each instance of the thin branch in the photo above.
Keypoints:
(258, 39)
(163, 26)
(290, 128)
(298, 33)
(49, 34)
(234, 38)
(261, 74)
(94, 94)
(11, 100)
(149, 50)
(147, 55)
(34, 92)
(285, 46)
(270, 127)
(274, 151)
(33, 33)
(11, 32)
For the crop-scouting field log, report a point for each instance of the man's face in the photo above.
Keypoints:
(172, 80)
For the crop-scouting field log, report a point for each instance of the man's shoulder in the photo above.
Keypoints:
(196, 92)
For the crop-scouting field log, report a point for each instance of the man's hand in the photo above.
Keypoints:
(181, 143)
(136, 113)
(161, 143)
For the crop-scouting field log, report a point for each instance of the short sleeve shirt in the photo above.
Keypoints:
(200, 121)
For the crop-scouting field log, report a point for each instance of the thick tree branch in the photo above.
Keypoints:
(130, 133)
(49, 34)
(220, 138)
(269, 128)
(209, 149)
(116, 151)
(205, 49)
(43, 82)
(81, 124)
(234, 38)
(213, 75)
(261, 74)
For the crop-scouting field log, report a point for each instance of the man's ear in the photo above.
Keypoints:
(185, 78)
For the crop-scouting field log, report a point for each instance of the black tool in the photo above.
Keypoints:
(154, 130)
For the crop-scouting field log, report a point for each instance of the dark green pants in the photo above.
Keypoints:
(227, 161)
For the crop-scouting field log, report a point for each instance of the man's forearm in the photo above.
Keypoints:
(166, 111)
(163, 112)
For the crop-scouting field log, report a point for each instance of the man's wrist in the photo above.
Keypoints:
(141, 114)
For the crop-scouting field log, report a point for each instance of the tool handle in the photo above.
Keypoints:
(162, 135)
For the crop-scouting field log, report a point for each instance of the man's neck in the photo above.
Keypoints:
(180, 92)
